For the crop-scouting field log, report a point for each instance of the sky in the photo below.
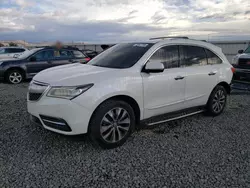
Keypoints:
(123, 20)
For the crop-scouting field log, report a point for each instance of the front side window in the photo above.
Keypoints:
(212, 58)
(44, 55)
(192, 56)
(121, 56)
(168, 56)
(16, 50)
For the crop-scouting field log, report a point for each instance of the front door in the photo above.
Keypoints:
(164, 92)
(39, 61)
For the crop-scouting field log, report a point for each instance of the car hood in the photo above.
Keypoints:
(244, 55)
(74, 74)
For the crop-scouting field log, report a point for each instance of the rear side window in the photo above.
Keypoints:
(14, 50)
(78, 54)
(168, 55)
(212, 58)
(192, 56)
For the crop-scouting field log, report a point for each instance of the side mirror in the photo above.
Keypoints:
(33, 59)
(240, 51)
(154, 67)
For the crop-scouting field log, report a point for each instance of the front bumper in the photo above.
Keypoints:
(55, 112)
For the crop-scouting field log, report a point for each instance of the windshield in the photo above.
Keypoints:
(27, 53)
(247, 51)
(121, 55)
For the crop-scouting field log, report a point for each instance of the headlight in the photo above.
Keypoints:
(235, 60)
(68, 92)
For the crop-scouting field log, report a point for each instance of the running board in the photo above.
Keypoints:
(172, 116)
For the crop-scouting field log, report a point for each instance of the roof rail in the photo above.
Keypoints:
(173, 37)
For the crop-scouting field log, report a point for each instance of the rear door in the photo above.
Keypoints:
(201, 77)
(39, 61)
(62, 57)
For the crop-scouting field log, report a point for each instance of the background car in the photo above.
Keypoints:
(90, 53)
(10, 52)
(33, 61)
(241, 63)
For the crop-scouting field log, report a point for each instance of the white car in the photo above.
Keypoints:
(11, 52)
(129, 83)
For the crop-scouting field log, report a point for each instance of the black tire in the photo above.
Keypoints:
(218, 94)
(96, 123)
(14, 73)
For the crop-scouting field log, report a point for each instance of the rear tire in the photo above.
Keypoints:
(14, 76)
(217, 101)
(111, 124)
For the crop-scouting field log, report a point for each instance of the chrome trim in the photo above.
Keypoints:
(171, 119)
(54, 122)
(179, 44)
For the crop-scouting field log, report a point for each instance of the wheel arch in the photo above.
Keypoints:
(15, 68)
(226, 86)
(128, 99)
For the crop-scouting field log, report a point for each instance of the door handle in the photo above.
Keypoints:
(212, 73)
(49, 62)
(179, 77)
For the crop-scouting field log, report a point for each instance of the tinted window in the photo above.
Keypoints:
(78, 54)
(2, 51)
(44, 55)
(121, 55)
(15, 50)
(65, 53)
(247, 51)
(192, 56)
(212, 58)
(168, 55)
(18, 50)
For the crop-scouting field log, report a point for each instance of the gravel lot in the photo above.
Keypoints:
(198, 151)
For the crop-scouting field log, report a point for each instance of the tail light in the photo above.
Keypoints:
(233, 69)
(87, 58)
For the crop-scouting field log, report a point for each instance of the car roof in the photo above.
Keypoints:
(18, 47)
(182, 41)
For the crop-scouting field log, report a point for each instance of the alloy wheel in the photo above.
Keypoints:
(115, 125)
(15, 77)
(219, 101)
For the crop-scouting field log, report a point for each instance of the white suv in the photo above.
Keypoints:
(11, 52)
(108, 97)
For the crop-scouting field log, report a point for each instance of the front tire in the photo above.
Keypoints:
(111, 124)
(14, 76)
(217, 101)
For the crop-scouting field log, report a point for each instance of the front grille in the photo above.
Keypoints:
(36, 90)
(244, 63)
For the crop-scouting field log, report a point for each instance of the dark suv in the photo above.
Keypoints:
(33, 61)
